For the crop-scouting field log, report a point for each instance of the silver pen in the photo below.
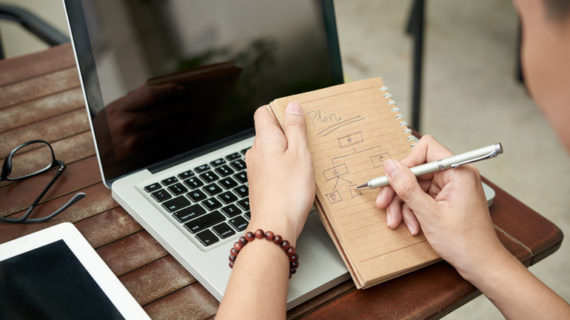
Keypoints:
(455, 161)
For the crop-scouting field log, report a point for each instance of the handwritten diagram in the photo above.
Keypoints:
(340, 168)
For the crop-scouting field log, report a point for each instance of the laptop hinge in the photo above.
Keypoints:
(168, 163)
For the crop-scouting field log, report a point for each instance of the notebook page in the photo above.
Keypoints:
(351, 130)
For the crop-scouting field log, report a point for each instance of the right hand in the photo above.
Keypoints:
(449, 205)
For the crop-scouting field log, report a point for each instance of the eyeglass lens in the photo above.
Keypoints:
(32, 158)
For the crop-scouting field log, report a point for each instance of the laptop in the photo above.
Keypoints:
(171, 88)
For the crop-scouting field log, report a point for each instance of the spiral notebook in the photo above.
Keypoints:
(351, 129)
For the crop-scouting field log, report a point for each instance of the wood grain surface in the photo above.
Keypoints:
(41, 98)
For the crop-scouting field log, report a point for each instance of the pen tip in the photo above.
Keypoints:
(362, 186)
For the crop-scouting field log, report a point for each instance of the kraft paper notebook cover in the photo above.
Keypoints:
(351, 129)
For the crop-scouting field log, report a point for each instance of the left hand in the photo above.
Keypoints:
(280, 174)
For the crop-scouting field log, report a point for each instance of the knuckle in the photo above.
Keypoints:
(258, 111)
(427, 139)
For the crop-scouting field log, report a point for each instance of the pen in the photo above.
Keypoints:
(455, 161)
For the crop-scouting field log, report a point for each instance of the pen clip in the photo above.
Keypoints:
(491, 154)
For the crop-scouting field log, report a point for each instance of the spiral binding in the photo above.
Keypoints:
(395, 109)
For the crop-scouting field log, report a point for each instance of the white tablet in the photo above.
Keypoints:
(55, 274)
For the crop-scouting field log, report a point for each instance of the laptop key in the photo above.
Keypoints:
(228, 183)
(224, 170)
(209, 176)
(211, 204)
(223, 230)
(227, 197)
(242, 191)
(247, 215)
(169, 181)
(243, 151)
(197, 195)
(202, 168)
(233, 156)
(218, 162)
(238, 164)
(207, 237)
(231, 211)
(152, 187)
(241, 177)
(176, 204)
(204, 222)
(177, 189)
(239, 223)
(212, 189)
(161, 195)
(244, 203)
(189, 213)
(186, 174)
(194, 183)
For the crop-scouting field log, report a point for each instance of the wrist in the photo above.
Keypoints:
(485, 271)
(278, 227)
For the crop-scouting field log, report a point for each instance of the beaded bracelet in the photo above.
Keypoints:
(277, 239)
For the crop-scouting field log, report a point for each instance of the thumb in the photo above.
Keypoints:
(404, 183)
(294, 127)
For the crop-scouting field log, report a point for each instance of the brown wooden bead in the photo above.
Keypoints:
(278, 239)
(285, 245)
(290, 251)
(269, 235)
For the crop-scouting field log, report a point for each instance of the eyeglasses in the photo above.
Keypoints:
(28, 160)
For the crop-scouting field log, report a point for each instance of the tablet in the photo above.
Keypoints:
(56, 274)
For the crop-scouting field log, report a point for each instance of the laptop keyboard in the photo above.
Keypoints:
(210, 201)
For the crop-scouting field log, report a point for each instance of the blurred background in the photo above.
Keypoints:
(471, 98)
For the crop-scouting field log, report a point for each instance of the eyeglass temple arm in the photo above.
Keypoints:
(23, 219)
(78, 196)
(62, 167)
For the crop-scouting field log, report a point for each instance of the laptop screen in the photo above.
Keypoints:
(165, 78)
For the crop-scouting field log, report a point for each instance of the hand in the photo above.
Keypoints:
(280, 173)
(449, 206)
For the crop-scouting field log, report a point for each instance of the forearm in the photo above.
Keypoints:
(258, 285)
(516, 292)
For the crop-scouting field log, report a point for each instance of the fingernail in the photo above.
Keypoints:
(294, 108)
(391, 167)
(389, 220)
(412, 230)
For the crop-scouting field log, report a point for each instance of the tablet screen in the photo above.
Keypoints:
(51, 283)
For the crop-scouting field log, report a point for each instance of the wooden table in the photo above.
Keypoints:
(40, 97)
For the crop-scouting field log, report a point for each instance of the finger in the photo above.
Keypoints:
(426, 150)
(267, 129)
(410, 220)
(385, 197)
(404, 183)
(394, 213)
(425, 185)
(294, 126)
